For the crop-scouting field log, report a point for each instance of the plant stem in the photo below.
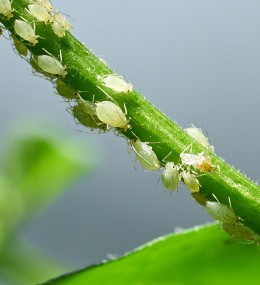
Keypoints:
(147, 123)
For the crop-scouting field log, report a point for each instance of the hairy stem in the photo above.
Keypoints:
(84, 71)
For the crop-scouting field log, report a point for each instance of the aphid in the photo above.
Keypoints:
(240, 232)
(190, 181)
(25, 31)
(199, 136)
(170, 176)
(111, 114)
(85, 113)
(6, 8)
(51, 65)
(65, 90)
(46, 4)
(199, 161)
(221, 212)
(145, 155)
(60, 24)
(117, 83)
(40, 12)
(20, 47)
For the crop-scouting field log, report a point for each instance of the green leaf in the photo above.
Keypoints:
(202, 255)
(39, 163)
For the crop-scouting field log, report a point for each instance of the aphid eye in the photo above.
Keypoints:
(145, 155)
(25, 31)
(51, 65)
(170, 176)
(117, 83)
(6, 9)
(111, 114)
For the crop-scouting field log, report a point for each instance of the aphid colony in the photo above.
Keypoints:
(108, 115)
(42, 11)
(227, 218)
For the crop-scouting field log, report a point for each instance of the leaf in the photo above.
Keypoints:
(202, 255)
(39, 164)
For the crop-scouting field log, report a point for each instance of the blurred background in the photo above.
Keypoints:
(197, 61)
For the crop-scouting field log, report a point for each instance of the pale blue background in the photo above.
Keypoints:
(198, 62)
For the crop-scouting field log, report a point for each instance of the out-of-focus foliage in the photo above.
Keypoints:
(37, 164)
(203, 255)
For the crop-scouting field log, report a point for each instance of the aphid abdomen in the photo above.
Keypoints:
(221, 212)
(170, 176)
(6, 8)
(25, 31)
(145, 155)
(111, 114)
(51, 65)
(117, 83)
(190, 181)
(40, 12)
(85, 113)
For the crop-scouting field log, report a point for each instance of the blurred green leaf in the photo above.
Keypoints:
(202, 255)
(39, 165)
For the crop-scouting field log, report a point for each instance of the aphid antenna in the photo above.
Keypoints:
(215, 197)
(164, 159)
(111, 98)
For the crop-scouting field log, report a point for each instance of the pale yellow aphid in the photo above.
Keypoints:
(117, 83)
(6, 8)
(170, 176)
(190, 181)
(25, 31)
(199, 161)
(60, 25)
(40, 13)
(221, 212)
(45, 3)
(111, 114)
(145, 155)
(199, 136)
(51, 65)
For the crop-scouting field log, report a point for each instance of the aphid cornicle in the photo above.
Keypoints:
(170, 176)
(199, 136)
(25, 31)
(117, 83)
(51, 65)
(40, 13)
(6, 8)
(111, 114)
(85, 113)
(190, 181)
(145, 155)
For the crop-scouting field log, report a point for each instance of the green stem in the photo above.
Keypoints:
(147, 123)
